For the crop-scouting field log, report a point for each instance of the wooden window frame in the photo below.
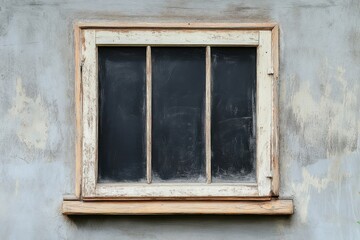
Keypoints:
(89, 193)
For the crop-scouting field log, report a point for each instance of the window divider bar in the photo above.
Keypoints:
(208, 115)
(148, 114)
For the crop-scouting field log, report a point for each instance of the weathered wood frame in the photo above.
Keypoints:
(264, 36)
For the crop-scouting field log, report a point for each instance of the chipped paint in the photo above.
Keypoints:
(31, 116)
(319, 111)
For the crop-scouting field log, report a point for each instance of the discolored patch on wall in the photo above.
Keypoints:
(5, 18)
(354, 39)
(248, 13)
(323, 117)
(315, 183)
(31, 118)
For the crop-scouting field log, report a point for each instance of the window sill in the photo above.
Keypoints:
(272, 207)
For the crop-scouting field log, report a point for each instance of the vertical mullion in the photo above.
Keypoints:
(208, 115)
(148, 113)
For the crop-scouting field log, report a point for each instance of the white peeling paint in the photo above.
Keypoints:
(37, 43)
(31, 117)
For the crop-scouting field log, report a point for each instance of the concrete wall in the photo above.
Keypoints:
(319, 119)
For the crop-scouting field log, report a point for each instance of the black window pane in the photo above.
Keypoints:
(121, 153)
(178, 76)
(233, 114)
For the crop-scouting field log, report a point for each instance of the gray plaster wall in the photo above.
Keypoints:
(319, 119)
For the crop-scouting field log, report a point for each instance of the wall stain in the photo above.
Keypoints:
(248, 13)
(323, 117)
(5, 19)
(354, 39)
(322, 122)
(310, 182)
(32, 118)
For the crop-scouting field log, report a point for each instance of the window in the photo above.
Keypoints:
(174, 112)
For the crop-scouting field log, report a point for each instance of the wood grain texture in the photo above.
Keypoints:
(160, 198)
(275, 184)
(148, 114)
(208, 115)
(78, 112)
(186, 25)
(264, 114)
(175, 190)
(273, 207)
(90, 113)
(168, 37)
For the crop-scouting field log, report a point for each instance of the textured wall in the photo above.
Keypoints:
(319, 119)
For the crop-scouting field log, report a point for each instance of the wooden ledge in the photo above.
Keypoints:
(272, 207)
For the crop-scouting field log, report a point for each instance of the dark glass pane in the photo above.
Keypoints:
(121, 155)
(178, 76)
(233, 114)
